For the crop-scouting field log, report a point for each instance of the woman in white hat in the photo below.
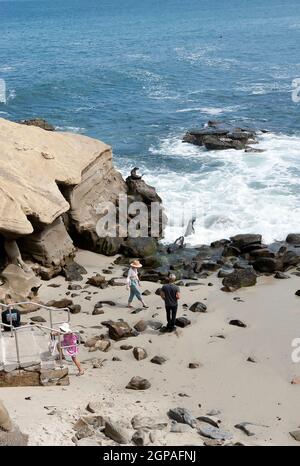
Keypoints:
(133, 283)
(69, 346)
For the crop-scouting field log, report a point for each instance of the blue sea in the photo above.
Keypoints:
(138, 74)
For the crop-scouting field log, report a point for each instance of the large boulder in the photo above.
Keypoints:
(139, 247)
(240, 278)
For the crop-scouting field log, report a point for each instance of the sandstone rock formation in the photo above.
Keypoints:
(10, 434)
(54, 189)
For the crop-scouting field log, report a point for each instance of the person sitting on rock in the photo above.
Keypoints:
(170, 293)
(133, 283)
(68, 346)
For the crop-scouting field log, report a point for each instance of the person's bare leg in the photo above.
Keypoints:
(78, 365)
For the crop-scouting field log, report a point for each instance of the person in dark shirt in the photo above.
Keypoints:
(170, 293)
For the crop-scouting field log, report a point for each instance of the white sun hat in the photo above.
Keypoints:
(65, 328)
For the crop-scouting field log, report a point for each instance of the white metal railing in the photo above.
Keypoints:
(53, 332)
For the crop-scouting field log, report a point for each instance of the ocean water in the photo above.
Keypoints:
(138, 74)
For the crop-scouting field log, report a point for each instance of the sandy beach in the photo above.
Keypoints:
(257, 392)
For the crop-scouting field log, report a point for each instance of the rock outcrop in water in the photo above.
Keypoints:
(54, 188)
(220, 136)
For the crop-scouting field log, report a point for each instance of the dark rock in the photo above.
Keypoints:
(296, 435)
(39, 122)
(139, 353)
(214, 433)
(240, 278)
(98, 280)
(126, 347)
(194, 365)
(281, 275)
(37, 319)
(158, 291)
(158, 360)
(60, 303)
(74, 272)
(75, 308)
(293, 238)
(154, 324)
(119, 330)
(138, 383)
(266, 265)
(208, 420)
(182, 416)
(297, 293)
(243, 427)
(198, 307)
(74, 287)
(140, 326)
(109, 246)
(182, 322)
(237, 323)
(139, 247)
(243, 240)
(146, 293)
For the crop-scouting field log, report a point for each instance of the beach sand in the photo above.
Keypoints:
(259, 392)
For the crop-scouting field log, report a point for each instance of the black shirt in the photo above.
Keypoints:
(170, 292)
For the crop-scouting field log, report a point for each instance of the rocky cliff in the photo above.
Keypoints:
(53, 189)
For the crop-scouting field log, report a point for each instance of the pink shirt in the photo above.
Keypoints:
(70, 340)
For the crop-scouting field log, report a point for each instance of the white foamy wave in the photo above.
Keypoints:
(231, 191)
(214, 111)
(70, 129)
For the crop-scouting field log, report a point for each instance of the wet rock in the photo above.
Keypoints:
(138, 383)
(182, 322)
(98, 280)
(266, 265)
(297, 293)
(293, 238)
(158, 360)
(240, 278)
(117, 432)
(74, 272)
(214, 433)
(243, 241)
(139, 353)
(119, 330)
(237, 323)
(139, 247)
(182, 416)
(198, 307)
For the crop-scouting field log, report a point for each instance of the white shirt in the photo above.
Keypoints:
(132, 275)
